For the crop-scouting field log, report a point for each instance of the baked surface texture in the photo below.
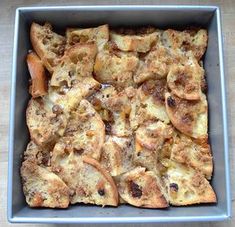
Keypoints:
(117, 116)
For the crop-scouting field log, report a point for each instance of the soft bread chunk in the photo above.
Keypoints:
(187, 186)
(190, 41)
(195, 153)
(117, 154)
(152, 134)
(38, 76)
(116, 67)
(135, 42)
(98, 100)
(189, 117)
(98, 35)
(69, 97)
(48, 45)
(142, 189)
(46, 122)
(43, 188)
(149, 103)
(156, 64)
(87, 180)
(77, 62)
(186, 81)
(120, 107)
(40, 155)
(85, 131)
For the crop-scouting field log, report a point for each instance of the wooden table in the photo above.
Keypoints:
(7, 12)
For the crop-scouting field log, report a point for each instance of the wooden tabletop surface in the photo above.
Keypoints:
(7, 11)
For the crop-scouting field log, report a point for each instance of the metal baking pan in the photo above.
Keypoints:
(159, 16)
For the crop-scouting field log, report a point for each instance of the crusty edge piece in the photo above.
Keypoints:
(97, 166)
(38, 75)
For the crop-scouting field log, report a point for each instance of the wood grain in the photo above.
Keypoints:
(7, 12)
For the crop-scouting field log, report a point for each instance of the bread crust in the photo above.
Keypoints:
(38, 76)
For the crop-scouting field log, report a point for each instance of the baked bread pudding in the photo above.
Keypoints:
(117, 116)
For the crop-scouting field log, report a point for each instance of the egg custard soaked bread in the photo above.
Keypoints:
(117, 116)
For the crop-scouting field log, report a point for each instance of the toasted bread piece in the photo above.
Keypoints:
(186, 81)
(98, 35)
(98, 100)
(40, 155)
(85, 131)
(142, 189)
(192, 41)
(195, 153)
(87, 180)
(136, 42)
(188, 116)
(77, 62)
(117, 154)
(149, 103)
(48, 45)
(43, 188)
(152, 134)
(116, 67)
(45, 122)
(38, 76)
(156, 64)
(120, 107)
(187, 186)
(69, 97)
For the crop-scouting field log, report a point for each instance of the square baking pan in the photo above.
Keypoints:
(85, 16)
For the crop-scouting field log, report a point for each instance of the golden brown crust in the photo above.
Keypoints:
(142, 189)
(44, 125)
(38, 76)
(189, 117)
(186, 81)
(48, 45)
(98, 35)
(43, 188)
(195, 153)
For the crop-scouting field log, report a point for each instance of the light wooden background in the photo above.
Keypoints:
(7, 11)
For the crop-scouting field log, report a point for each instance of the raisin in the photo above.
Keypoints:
(56, 109)
(174, 187)
(101, 192)
(135, 190)
(170, 102)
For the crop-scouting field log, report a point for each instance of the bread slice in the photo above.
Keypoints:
(48, 45)
(149, 103)
(193, 41)
(117, 154)
(142, 188)
(141, 42)
(156, 64)
(152, 134)
(43, 188)
(40, 155)
(119, 106)
(187, 186)
(38, 76)
(186, 81)
(77, 62)
(46, 122)
(87, 180)
(85, 131)
(98, 35)
(116, 67)
(195, 153)
(69, 97)
(188, 116)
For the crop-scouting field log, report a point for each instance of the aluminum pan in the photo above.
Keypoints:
(208, 16)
